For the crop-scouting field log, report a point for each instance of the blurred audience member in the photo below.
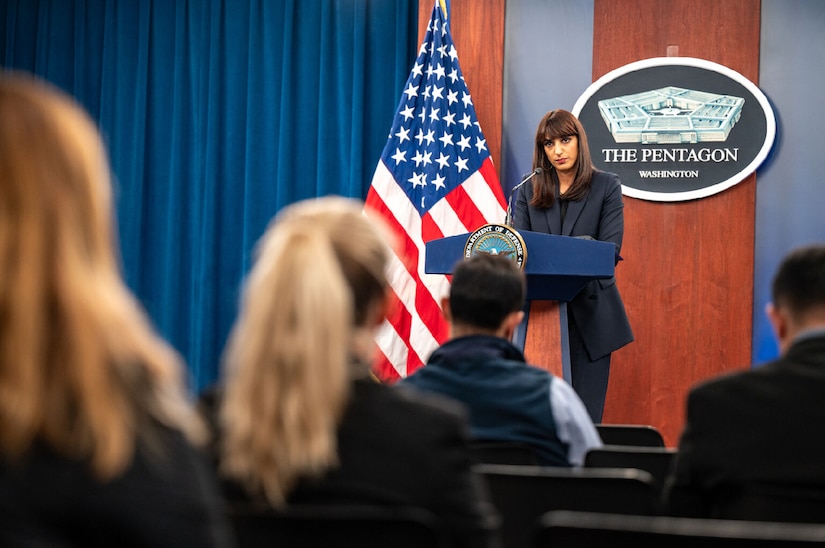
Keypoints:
(302, 420)
(751, 447)
(93, 417)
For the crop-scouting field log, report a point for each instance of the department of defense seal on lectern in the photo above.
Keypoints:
(495, 239)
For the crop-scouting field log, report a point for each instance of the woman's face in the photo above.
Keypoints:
(563, 152)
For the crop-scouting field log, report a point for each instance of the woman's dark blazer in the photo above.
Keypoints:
(598, 311)
(166, 497)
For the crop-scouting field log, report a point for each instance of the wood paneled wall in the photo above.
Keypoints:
(687, 278)
(477, 27)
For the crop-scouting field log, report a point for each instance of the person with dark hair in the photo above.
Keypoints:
(755, 435)
(570, 197)
(508, 399)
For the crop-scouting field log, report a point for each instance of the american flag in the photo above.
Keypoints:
(435, 179)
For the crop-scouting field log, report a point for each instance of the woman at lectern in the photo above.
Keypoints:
(570, 197)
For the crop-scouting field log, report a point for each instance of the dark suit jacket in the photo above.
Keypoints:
(167, 497)
(598, 311)
(753, 431)
(399, 448)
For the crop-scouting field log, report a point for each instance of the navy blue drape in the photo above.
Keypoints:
(216, 114)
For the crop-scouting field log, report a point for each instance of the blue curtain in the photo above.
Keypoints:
(216, 114)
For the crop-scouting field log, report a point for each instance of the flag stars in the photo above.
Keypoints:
(436, 139)
(418, 179)
(399, 156)
(446, 139)
(443, 161)
(403, 135)
(411, 91)
(415, 180)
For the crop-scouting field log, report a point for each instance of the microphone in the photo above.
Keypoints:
(509, 219)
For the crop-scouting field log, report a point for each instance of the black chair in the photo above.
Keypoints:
(522, 494)
(563, 529)
(640, 435)
(800, 504)
(503, 452)
(655, 460)
(311, 526)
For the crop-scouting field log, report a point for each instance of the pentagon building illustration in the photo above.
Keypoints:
(671, 115)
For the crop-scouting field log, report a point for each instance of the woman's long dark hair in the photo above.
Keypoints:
(554, 125)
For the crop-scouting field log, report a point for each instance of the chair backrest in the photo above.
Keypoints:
(311, 526)
(563, 529)
(503, 452)
(640, 435)
(655, 460)
(801, 504)
(522, 494)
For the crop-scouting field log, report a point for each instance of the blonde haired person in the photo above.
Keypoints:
(303, 421)
(92, 414)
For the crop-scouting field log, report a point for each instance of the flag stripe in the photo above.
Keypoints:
(423, 325)
(435, 179)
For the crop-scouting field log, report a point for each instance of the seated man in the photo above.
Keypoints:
(756, 435)
(507, 398)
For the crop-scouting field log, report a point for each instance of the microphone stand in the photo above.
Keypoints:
(509, 217)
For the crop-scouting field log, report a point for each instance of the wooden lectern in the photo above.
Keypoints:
(557, 268)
